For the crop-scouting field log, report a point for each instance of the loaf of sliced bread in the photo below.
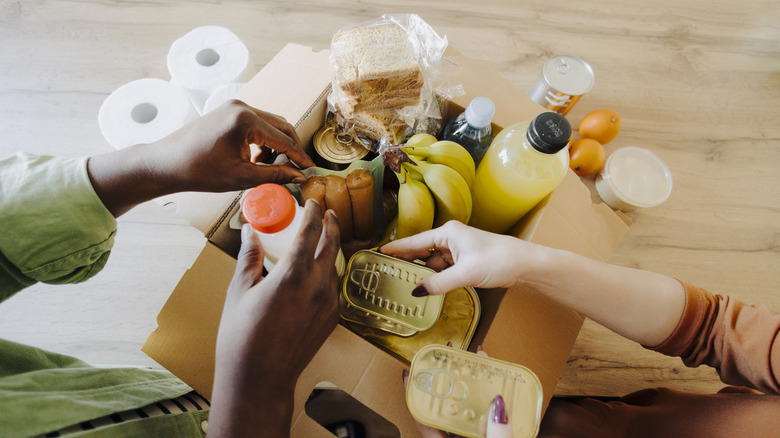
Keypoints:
(375, 69)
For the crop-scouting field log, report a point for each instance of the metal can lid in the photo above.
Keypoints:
(353, 315)
(336, 147)
(568, 74)
(453, 390)
(381, 285)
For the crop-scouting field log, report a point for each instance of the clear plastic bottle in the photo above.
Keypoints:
(472, 128)
(525, 162)
(276, 217)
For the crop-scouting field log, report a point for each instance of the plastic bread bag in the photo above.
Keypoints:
(387, 79)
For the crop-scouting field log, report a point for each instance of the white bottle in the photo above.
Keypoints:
(276, 217)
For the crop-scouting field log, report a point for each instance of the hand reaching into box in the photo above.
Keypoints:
(272, 327)
(211, 154)
(642, 306)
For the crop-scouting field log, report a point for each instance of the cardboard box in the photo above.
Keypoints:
(517, 325)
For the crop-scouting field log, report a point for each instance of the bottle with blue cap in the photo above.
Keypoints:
(472, 129)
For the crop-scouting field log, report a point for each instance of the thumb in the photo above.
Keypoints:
(249, 264)
(498, 425)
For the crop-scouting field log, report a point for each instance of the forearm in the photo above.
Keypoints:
(639, 305)
(210, 155)
(254, 405)
(124, 179)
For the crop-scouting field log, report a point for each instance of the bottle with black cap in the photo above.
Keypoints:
(525, 162)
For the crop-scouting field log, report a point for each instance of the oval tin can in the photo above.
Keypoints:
(381, 285)
(457, 324)
(453, 390)
(355, 316)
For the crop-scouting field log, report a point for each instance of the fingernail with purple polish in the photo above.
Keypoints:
(498, 414)
(420, 291)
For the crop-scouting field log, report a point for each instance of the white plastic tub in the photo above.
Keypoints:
(634, 177)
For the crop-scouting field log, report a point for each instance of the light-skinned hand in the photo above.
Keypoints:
(463, 255)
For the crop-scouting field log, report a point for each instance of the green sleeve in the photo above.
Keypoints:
(53, 226)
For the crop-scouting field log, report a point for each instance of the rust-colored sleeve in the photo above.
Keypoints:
(740, 341)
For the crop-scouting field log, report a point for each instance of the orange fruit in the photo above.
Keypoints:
(600, 125)
(586, 156)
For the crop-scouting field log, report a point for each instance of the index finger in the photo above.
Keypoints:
(279, 123)
(283, 138)
(413, 247)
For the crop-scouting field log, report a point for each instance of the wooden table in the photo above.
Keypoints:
(697, 82)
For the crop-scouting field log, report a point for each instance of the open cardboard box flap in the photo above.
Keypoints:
(517, 325)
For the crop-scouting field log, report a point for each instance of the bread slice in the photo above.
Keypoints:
(375, 68)
(371, 102)
(373, 125)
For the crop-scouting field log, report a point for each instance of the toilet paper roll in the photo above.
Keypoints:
(144, 111)
(222, 95)
(207, 58)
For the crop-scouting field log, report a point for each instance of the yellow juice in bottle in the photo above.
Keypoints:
(525, 162)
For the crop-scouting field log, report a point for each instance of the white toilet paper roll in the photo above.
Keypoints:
(144, 111)
(221, 95)
(206, 58)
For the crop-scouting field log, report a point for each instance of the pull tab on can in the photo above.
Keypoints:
(564, 79)
(561, 66)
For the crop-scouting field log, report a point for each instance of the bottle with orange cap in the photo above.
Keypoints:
(276, 217)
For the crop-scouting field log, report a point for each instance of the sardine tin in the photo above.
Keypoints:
(382, 286)
(456, 325)
(351, 314)
(452, 390)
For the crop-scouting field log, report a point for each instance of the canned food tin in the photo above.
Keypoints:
(336, 150)
(456, 325)
(564, 79)
(355, 316)
(452, 390)
(381, 285)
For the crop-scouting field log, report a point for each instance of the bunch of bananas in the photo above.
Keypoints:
(435, 185)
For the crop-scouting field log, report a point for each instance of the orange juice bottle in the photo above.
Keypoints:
(525, 162)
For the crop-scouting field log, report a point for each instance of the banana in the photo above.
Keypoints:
(389, 233)
(448, 153)
(421, 140)
(449, 189)
(416, 207)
